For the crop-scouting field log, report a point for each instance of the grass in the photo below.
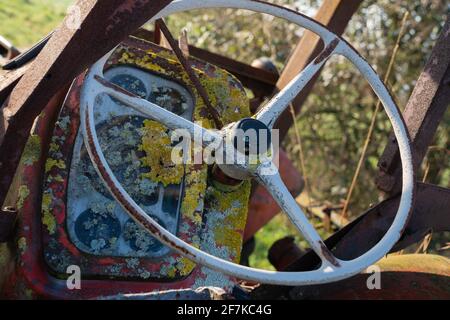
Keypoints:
(24, 22)
(278, 228)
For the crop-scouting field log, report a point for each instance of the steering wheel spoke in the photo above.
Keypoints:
(275, 107)
(268, 176)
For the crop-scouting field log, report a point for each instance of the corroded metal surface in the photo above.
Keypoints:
(402, 277)
(8, 79)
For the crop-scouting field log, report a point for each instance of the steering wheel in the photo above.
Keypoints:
(264, 171)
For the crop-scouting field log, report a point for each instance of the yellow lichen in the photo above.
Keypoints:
(50, 163)
(54, 147)
(195, 186)
(185, 266)
(145, 62)
(47, 217)
(22, 244)
(234, 205)
(156, 144)
(24, 192)
(32, 150)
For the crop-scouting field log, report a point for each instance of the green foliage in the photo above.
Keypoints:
(276, 229)
(24, 22)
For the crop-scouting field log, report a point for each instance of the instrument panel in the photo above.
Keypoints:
(95, 222)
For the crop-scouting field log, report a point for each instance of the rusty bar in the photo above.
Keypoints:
(335, 15)
(156, 34)
(423, 113)
(251, 77)
(70, 50)
(191, 74)
(8, 80)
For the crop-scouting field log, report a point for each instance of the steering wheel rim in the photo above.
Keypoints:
(332, 268)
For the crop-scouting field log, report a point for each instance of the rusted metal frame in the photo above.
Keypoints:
(184, 61)
(156, 35)
(8, 213)
(70, 50)
(251, 77)
(14, 69)
(8, 80)
(423, 113)
(335, 15)
(430, 213)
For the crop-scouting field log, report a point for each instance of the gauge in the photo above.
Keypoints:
(96, 224)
